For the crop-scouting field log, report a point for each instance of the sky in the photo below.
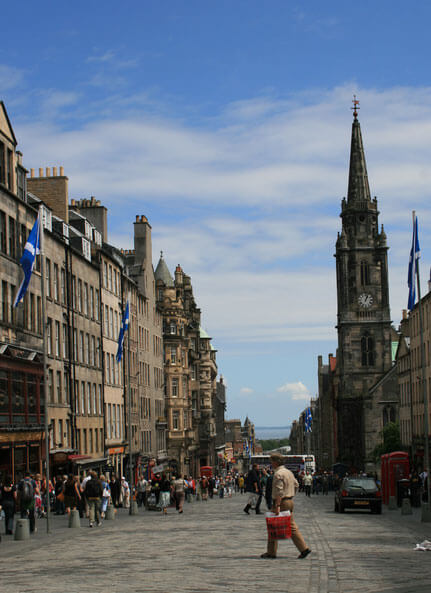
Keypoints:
(228, 125)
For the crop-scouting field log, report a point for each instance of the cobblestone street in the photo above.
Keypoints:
(215, 547)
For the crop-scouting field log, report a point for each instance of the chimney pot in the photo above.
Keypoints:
(404, 313)
(31, 172)
(72, 202)
(137, 218)
(48, 172)
(62, 171)
(54, 171)
(40, 172)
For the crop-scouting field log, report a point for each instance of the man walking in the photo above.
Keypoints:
(252, 485)
(93, 493)
(284, 487)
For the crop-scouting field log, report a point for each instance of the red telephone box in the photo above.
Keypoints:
(395, 467)
(207, 471)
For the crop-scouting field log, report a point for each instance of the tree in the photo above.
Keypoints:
(270, 444)
(391, 440)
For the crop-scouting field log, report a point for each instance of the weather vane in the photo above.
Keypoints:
(355, 107)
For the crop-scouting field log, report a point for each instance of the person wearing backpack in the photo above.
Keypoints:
(93, 492)
(26, 492)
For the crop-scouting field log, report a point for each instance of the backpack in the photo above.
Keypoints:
(93, 488)
(27, 491)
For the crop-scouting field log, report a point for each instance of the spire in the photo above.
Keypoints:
(162, 272)
(359, 189)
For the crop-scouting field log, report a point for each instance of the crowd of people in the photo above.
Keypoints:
(91, 494)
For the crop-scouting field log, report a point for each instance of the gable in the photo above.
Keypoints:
(6, 129)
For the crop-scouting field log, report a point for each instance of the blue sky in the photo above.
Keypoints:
(228, 125)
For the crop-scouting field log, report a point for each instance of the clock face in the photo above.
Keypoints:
(365, 300)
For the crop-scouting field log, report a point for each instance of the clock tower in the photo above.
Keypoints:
(364, 351)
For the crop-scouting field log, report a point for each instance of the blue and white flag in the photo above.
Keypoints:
(308, 420)
(415, 253)
(123, 329)
(28, 258)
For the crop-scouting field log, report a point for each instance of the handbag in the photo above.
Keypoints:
(106, 493)
(60, 497)
(278, 526)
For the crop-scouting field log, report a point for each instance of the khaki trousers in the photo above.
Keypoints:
(298, 540)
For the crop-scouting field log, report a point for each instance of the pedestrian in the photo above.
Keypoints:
(268, 491)
(241, 484)
(93, 493)
(27, 491)
(141, 489)
(8, 502)
(72, 494)
(307, 480)
(106, 495)
(284, 488)
(59, 495)
(204, 487)
(125, 492)
(115, 486)
(165, 494)
(179, 488)
(253, 487)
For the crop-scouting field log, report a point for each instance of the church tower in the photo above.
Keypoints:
(363, 316)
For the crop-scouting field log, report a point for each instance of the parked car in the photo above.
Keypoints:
(358, 493)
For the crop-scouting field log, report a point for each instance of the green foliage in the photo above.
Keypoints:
(391, 440)
(269, 444)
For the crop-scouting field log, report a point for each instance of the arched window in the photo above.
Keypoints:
(367, 350)
(365, 273)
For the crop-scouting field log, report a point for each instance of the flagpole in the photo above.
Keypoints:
(45, 363)
(426, 515)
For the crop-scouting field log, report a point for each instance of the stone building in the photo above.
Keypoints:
(409, 371)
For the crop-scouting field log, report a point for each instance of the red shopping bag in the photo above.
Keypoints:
(278, 526)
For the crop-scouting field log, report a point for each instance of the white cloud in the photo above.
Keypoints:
(246, 390)
(252, 197)
(296, 391)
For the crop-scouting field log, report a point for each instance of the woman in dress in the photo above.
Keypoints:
(72, 494)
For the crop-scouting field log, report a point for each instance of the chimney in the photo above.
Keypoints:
(142, 242)
(51, 190)
(178, 275)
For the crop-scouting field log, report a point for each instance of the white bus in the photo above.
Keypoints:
(296, 463)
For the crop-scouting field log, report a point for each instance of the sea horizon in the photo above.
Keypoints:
(272, 432)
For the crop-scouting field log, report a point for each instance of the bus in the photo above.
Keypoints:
(296, 463)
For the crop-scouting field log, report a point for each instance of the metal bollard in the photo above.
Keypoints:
(74, 520)
(22, 529)
(110, 513)
(406, 507)
(392, 506)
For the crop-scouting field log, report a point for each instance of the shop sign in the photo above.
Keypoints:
(115, 450)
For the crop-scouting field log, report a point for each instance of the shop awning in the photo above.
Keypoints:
(76, 457)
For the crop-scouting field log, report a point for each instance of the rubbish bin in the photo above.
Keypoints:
(403, 490)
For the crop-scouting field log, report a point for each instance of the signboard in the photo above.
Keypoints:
(157, 469)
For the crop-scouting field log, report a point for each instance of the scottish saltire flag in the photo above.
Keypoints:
(123, 329)
(308, 420)
(415, 253)
(31, 249)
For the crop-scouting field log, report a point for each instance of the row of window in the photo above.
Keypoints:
(114, 421)
(13, 236)
(112, 370)
(145, 408)
(111, 279)
(176, 420)
(94, 444)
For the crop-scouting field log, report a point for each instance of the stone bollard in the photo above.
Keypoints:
(110, 513)
(22, 529)
(133, 508)
(392, 506)
(198, 496)
(406, 507)
(74, 520)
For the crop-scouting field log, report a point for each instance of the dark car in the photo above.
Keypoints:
(358, 493)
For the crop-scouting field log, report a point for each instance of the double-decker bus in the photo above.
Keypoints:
(296, 463)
